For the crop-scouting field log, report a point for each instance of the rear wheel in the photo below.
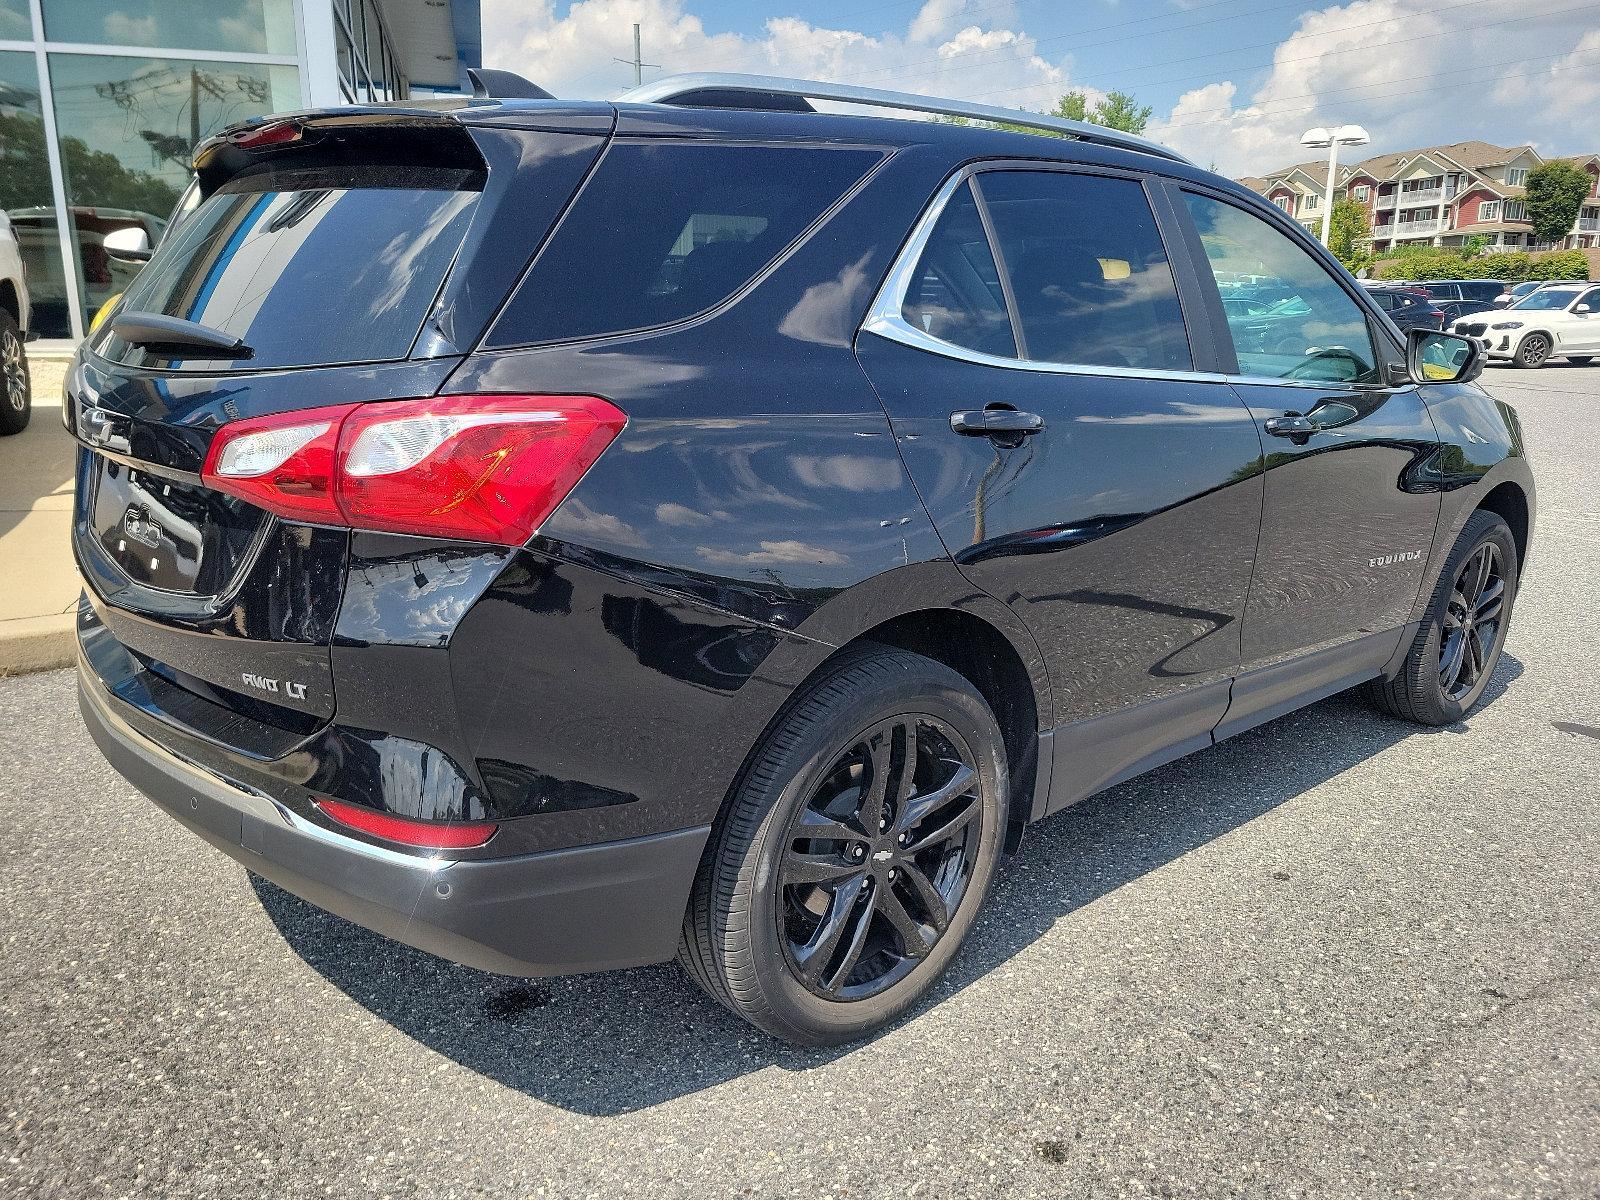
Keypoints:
(1534, 351)
(16, 387)
(1459, 644)
(856, 851)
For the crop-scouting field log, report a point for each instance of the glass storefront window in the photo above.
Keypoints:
(26, 196)
(128, 128)
(15, 24)
(250, 26)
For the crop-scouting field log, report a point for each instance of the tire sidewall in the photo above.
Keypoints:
(1522, 351)
(789, 999)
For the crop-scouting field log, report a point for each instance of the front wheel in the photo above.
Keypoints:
(1534, 351)
(855, 853)
(16, 387)
(1456, 650)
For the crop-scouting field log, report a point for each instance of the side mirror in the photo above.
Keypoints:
(1583, 308)
(1434, 357)
(128, 245)
(1500, 302)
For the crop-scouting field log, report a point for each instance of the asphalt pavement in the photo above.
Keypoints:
(1336, 957)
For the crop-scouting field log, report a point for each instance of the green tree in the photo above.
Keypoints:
(1350, 233)
(1555, 193)
(1472, 246)
(1118, 110)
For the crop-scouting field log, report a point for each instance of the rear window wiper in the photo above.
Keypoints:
(187, 339)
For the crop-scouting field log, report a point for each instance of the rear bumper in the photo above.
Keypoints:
(593, 908)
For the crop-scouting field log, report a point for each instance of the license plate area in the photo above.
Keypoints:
(166, 534)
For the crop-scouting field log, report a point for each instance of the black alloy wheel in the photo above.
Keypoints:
(855, 851)
(1472, 621)
(1458, 643)
(879, 857)
(1534, 351)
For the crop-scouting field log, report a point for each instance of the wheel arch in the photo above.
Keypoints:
(11, 301)
(1507, 500)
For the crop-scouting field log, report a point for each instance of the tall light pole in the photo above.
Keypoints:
(1333, 138)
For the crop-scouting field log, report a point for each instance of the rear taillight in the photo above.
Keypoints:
(431, 835)
(481, 468)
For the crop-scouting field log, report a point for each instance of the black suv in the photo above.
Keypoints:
(566, 536)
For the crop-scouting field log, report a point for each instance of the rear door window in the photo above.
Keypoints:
(310, 266)
(1087, 268)
(955, 294)
(666, 230)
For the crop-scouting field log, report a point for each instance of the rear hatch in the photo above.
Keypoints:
(353, 256)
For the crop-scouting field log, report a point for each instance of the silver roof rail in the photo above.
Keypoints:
(676, 89)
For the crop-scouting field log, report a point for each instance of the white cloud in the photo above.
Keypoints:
(1412, 75)
(572, 54)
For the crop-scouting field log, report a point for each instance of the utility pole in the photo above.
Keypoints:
(637, 61)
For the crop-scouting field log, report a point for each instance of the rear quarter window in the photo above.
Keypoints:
(664, 231)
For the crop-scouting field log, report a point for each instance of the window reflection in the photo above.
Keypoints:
(14, 22)
(253, 26)
(128, 129)
(25, 192)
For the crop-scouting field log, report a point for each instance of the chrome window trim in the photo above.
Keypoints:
(886, 316)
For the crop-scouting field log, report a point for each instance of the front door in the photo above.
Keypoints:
(1351, 494)
(1077, 466)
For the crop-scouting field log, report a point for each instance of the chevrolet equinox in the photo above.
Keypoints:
(566, 536)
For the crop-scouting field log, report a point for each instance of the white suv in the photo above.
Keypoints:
(1556, 321)
(16, 389)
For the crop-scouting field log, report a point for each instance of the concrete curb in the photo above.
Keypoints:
(30, 644)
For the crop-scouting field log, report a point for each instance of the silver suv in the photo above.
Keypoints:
(16, 402)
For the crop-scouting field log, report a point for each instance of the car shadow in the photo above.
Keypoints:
(604, 1045)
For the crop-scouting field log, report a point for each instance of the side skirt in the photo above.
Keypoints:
(1089, 756)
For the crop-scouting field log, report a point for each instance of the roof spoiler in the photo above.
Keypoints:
(503, 85)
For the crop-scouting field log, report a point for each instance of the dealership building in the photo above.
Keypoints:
(102, 103)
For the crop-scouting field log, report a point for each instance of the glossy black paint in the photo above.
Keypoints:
(1154, 568)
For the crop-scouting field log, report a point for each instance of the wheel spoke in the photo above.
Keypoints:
(822, 828)
(1490, 602)
(943, 833)
(800, 868)
(906, 783)
(1477, 573)
(915, 940)
(813, 958)
(919, 808)
(929, 897)
(1451, 662)
(1477, 653)
(879, 755)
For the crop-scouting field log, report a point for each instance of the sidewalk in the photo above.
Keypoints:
(38, 580)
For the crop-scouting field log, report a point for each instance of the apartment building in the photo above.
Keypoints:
(1440, 195)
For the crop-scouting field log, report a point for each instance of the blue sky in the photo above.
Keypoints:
(1233, 82)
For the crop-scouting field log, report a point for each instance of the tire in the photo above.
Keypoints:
(758, 941)
(1580, 360)
(1424, 690)
(16, 384)
(1533, 351)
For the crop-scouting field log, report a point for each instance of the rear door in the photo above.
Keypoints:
(346, 262)
(1351, 487)
(1077, 455)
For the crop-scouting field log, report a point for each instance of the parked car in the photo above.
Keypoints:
(1557, 321)
(104, 276)
(16, 405)
(1514, 292)
(1407, 309)
(574, 535)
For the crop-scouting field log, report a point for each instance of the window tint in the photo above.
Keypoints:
(955, 294)
(1316, 332)
(665, 230)
(1387, 301)
(1087, 270)
(309, 266)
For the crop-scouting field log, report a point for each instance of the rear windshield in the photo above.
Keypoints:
(309, 267)
(667, 230)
